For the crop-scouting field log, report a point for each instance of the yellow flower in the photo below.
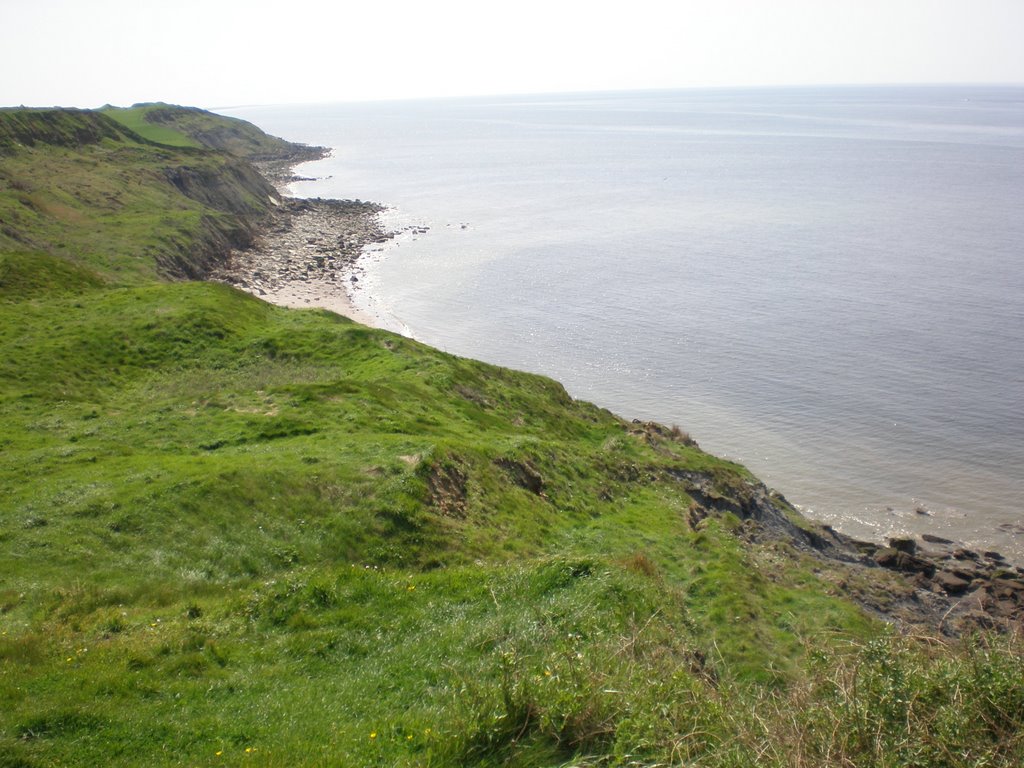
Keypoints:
(411, 587)
(219, 752)
(409, 737)
(373, 734)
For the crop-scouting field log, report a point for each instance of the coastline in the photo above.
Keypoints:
(307, 257)
(307, 252)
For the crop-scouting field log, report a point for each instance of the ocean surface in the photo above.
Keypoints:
(826, 285)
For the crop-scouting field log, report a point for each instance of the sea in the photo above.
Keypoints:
(823, 284)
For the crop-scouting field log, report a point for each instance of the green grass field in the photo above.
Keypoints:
(235, 534)
(190, 127)
(134, 119)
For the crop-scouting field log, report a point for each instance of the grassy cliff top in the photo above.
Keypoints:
(238, 534)
(192, 127)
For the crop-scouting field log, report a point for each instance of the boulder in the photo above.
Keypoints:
(901, 561)
(903, 544)
(951, 584)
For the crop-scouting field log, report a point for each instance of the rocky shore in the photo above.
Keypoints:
(929, 582)
(981, 589)
(307, 252)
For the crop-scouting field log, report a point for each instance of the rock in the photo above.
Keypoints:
(1008, 588)
(993, 555)
(965, 554)
(979, 620)
(901, 561)
(931, 538)
(1005, 608)
(965, 573)
(951, 584)
(903, 544)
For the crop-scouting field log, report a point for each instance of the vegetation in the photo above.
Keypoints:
(136, 119)
(80, 188)
(191, 127)
(234, 534)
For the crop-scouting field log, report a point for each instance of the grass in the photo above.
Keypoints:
(114, 210)
(134, 118)
(235, 534)
(190, 127)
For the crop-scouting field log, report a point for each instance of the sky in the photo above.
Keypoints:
(222, 53)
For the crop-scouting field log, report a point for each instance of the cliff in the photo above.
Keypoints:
(82, 187)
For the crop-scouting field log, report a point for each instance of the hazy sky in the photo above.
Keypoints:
(214, 53)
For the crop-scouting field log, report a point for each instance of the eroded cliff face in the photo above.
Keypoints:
(239, 197)
(179, 211)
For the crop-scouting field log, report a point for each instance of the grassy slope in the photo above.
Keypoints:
(191, 127)
(238, 534)
(134, 118)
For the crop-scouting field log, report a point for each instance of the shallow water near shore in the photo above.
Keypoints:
(826, 285)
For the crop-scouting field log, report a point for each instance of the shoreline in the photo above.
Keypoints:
(307, 252)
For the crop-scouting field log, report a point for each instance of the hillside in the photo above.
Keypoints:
(189, 126)
(238, 534)
(110, 204)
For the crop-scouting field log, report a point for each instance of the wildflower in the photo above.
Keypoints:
(411, 587)
(409, 737)
(373, 734)
(219, 752)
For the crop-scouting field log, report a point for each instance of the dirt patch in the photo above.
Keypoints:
(446, 490)
(523, 474)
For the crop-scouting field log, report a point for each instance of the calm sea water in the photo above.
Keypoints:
(825, 285)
